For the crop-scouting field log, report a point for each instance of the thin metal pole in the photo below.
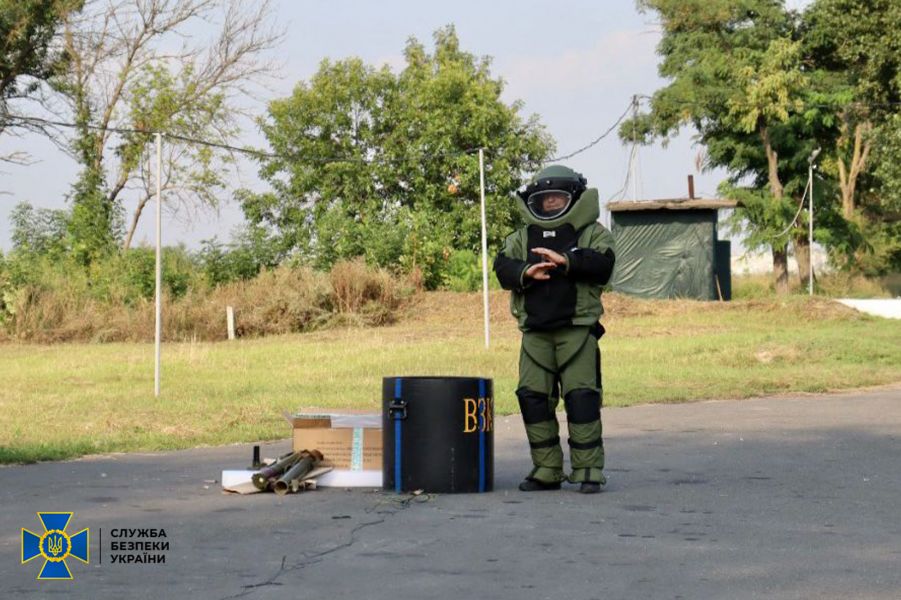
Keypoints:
(810, 233)
(633, 157)
(484, 243)
(159, 263)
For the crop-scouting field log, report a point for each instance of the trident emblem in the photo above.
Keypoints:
(55, 544)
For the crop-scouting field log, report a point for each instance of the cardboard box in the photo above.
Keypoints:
(347, 441)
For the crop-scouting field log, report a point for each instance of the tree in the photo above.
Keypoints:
(339, 114)
(858, 42)
(735, 75)
(39, 231)
(127, 72)
(373, 164)
(882, 202)
(192, 175)
(27, 55)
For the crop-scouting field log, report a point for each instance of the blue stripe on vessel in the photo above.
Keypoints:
(397, 434)
(482, 436)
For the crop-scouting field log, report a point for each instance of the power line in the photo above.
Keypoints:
(354, 159)
(129, 130)
(797, 214)
(596, 140)
(223, 145)
(271, 155)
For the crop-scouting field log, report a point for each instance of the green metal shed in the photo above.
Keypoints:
(669, 249)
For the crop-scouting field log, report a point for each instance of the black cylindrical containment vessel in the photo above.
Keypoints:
(438, 434)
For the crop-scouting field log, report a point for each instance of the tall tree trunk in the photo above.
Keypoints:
(780, 270)
(772, 161)
(802, 255)
(848, 174)
(134, 222)
(780, 257)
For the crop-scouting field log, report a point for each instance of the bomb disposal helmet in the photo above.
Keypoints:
(552, 192)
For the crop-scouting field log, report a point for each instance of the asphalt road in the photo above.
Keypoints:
(791, 497)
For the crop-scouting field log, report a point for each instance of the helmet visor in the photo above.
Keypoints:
(549, 204)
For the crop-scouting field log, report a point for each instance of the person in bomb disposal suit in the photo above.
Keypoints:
(555, 268)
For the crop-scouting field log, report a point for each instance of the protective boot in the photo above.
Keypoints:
(533, 485)
(589, 487)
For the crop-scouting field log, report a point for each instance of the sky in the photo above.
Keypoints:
(574, 64)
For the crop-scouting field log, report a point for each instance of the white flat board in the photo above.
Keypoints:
(348, 478)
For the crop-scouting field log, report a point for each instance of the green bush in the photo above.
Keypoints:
(131, 275)
(250, 252)
(463, 272)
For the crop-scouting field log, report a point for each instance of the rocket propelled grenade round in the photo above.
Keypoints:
(291, 479)
(261, 479)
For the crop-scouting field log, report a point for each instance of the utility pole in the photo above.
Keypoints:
(813, 157)
(484, 243)
(633, 156)
(159, 264)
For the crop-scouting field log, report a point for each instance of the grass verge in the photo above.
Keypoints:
(66, 400)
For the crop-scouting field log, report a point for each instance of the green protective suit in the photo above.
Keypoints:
(559, 356)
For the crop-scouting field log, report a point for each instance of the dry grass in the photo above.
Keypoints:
(831, 285)
(445, 308)
(847, 285)
(279, 301)
(291, 300)
(373, 295)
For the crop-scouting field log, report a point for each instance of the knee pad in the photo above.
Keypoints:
(582, 406)
(534, 406)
